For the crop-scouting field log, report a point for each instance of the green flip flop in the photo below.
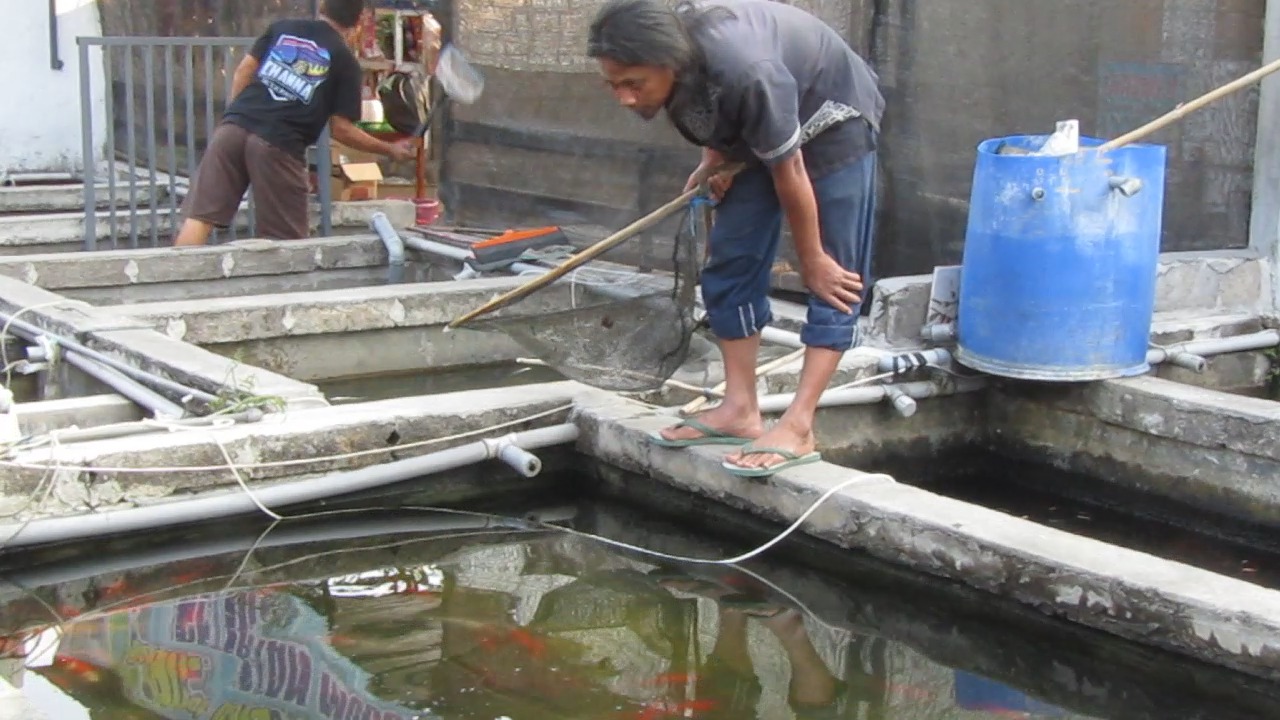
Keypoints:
(710, 436)
(791, 460)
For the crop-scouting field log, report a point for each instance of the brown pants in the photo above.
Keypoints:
(236, 159)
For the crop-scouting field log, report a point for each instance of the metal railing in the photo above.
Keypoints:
(164, 137)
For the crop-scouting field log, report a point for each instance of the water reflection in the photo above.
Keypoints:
(477, 624)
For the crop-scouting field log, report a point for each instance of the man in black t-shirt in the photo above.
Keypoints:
(299, 76)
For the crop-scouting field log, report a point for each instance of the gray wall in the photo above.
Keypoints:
(954, 73)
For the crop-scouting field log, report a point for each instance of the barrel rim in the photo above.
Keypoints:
(987, 146)
(1048, 373)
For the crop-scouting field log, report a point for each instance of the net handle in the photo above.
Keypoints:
(1184, 110)
(597, 249)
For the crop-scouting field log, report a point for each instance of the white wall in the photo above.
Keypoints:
(40, 112)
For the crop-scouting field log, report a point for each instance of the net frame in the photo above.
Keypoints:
(631, 330)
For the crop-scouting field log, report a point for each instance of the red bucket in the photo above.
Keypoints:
(428, 211)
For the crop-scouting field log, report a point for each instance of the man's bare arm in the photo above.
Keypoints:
(347, 133)
(243, 75)
(795, 193)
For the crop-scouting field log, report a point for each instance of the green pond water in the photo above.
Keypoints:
(393, 613)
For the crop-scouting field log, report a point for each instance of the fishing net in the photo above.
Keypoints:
(609, 324)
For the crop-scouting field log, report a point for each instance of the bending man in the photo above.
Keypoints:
(299, 76)
(752, 81)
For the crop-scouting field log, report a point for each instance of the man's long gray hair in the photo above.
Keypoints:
(649, 32)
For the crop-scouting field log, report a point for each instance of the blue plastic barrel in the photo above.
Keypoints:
(1058, 278)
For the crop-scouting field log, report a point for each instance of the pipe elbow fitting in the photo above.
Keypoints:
(1189, 361)
(904, 404)
(512, 455)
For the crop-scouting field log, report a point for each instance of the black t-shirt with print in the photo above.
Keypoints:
(306, 75)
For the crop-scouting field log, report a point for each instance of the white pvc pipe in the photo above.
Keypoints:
(1191, 354)
(778, 336)
(381, 225)
(516, 457)
(904, 362)
(143, 427)
(945, 332)
(238, 502)
(871, 394)
(147, 398)
(33, 333)
(432, 247)
(902, 402)
(450, 252)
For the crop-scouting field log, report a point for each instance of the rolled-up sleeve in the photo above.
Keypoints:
(768, 110)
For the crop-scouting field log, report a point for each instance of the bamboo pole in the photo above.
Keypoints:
(1187, 108)
(592, 252)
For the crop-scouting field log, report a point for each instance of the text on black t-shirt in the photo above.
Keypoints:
(306, 75)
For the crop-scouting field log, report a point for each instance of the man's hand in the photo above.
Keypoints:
(402, 150)
(838, 287)
(718, 184)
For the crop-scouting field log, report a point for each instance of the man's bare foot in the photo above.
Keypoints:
(783, 436)
(722, 419)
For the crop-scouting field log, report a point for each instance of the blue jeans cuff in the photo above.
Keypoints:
(739, 321)
(839, 337)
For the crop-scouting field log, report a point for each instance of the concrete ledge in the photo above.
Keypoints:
(51, 232)
(69, 197)
(1207, 449)
(1208, 418)
(64, 232)
(351, 214)
(38, 418)
(290, 440)
(407, 349)
(132, 341)
(1126, 593)
(239, 319)
(1203, 283)
(240, 258)
(1184, 325)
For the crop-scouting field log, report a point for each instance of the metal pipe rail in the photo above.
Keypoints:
(180, 70)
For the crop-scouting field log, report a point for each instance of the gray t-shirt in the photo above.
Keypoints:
(774, 78)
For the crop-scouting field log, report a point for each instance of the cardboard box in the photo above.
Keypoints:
(355, 181)
(352, 177)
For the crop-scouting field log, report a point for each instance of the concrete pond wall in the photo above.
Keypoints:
(279, 317)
